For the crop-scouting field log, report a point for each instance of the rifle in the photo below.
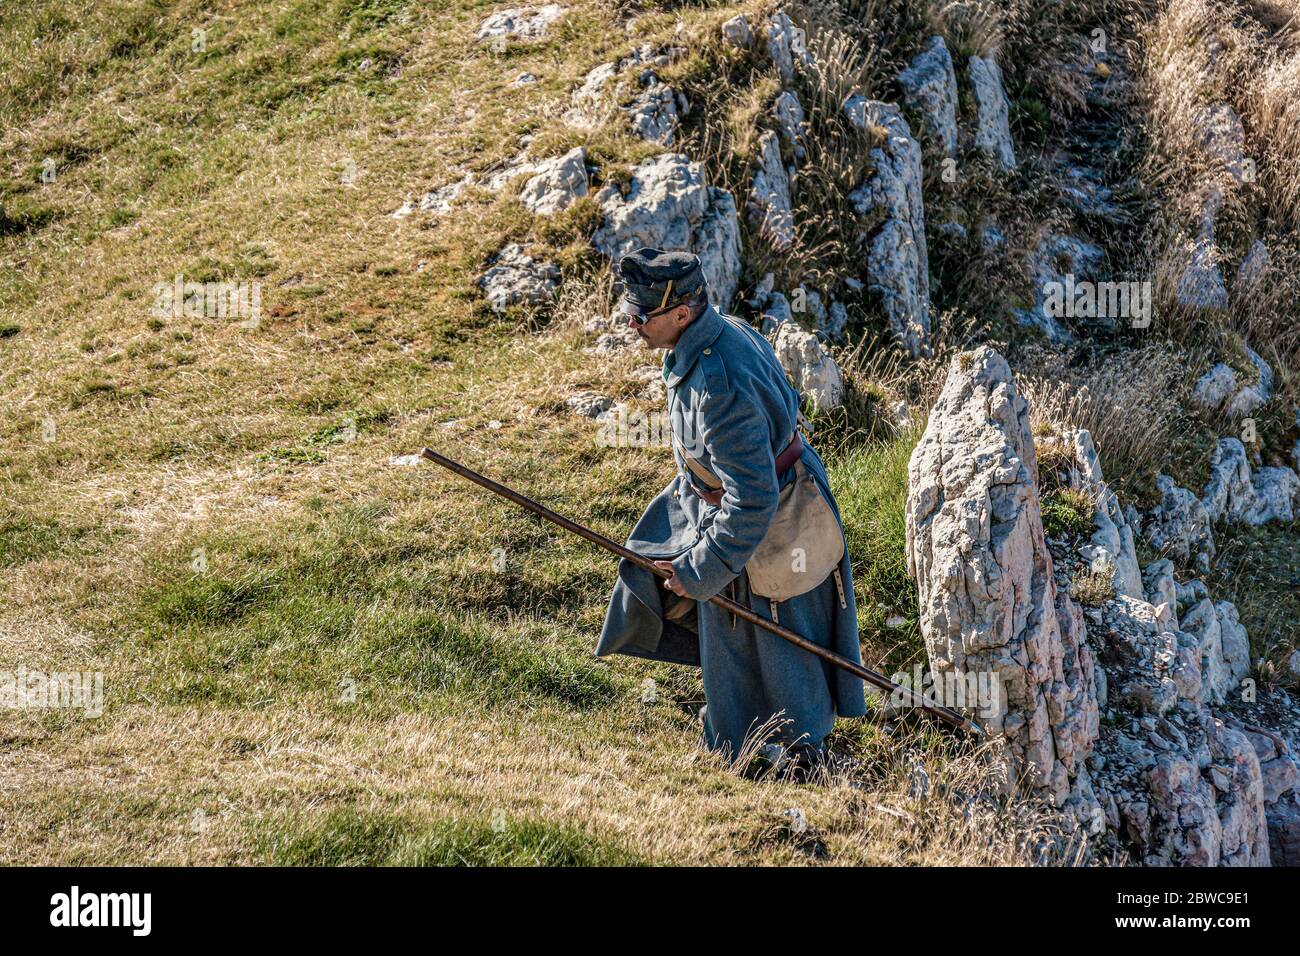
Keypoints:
(952, 717)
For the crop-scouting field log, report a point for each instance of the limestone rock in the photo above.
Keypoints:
(988, 599)
(1112, 547)
(930, 87)
(589, 404)
(1277, 495)
(515, 278)
(1223, 138)
(1284, 831)
(521, 22)
(769, 199)
(1161, 587)
(776, 309)
(1251, 397)
(656, 112)
(1056, 261)
(1179, 525)
(668, 205)
(790, 118)
(898, 263)
(1233, 493)
(1214, 387)
(993, 128)
(786, 45)
(736, 33)
(810, 367)
(1223, 645)
(1254, 266)
(557, 184)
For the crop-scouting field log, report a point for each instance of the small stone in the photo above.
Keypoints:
(736, 32)
(589, 404)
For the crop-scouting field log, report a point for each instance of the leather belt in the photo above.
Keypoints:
(784, 462)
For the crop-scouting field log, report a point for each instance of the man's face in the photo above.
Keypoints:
(662, 329)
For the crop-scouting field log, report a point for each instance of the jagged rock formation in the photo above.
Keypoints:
(789, 115)
(655, 110)
(1112, 549)
(1130, 724)
(558, 183)
(516, 278)
(993, 126)
(1219, 388)
(1057, 261)
(930, 87)
(898, 263)
(808, 365)
(668, 205)
(786, 45)
(1180, 526)
(770, 205)
(989, 603)
(1233, 493)
(521, 22)
(737, 33)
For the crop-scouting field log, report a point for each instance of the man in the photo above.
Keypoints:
(746, 486)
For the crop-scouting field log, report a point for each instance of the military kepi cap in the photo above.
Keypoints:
(653, 279)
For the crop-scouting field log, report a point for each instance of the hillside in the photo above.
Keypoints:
(316, 650)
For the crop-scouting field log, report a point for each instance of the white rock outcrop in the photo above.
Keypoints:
(898, 263)
(515, 278)
(770, 206)
(790, 118)
(989, 602)
(1179, 525)
(809, 366)
(558, 183)
(736, 33)
(1165, 778)
(669, 205)
(930, 87)
(1233, 493)
(992, 120)
(521, 21)
(786, 45)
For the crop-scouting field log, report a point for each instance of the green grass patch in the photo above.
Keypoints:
(338, 598)
(1068, 512)
(356, 838)
(24, 539)
(871, 488)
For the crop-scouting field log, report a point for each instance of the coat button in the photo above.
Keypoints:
(708, 351)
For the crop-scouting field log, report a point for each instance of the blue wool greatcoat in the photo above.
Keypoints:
(732, 407)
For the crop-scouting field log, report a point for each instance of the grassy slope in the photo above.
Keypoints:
(348, 680)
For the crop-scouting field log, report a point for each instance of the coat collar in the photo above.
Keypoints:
(697, 336)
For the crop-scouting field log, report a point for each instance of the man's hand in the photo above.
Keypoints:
(672, 583)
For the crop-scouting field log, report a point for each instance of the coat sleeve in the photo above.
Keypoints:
(736, 436)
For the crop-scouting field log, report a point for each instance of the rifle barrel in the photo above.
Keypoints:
(871, 677)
